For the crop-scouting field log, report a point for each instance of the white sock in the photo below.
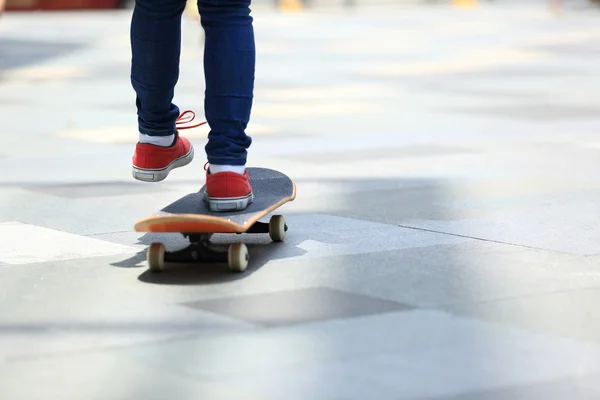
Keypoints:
(215, 169)
(163, 141)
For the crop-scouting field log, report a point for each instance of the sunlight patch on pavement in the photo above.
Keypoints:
(466, 62)
(49, 73)
(313, 109)
(26, 244)
(128, 133)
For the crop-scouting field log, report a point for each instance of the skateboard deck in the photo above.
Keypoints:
(192, 217)
(191, 214)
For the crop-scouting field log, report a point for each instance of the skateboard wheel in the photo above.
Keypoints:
(237, 257)
(277, 228)
(156, 257)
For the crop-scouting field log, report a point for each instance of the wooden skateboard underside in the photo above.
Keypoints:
(191, 214)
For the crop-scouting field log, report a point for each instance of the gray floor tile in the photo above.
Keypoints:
(19, 53)
(569, 313)
(298, 306)
(94, 376)
(95, 189)
(399, 355)
(534, 113)
(557, 226)
(576, 388)
(382, 153)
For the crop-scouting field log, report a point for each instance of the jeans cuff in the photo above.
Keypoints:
(157, 132)
(226, 161)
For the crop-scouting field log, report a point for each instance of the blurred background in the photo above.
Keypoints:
(20, 5)
(443, 244)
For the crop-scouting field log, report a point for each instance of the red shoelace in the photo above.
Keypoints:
(182, 119)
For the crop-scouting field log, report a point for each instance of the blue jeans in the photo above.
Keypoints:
(229, 62)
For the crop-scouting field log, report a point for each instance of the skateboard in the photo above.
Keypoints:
(191, 216)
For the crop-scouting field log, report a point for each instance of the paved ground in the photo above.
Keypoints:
(444, 243)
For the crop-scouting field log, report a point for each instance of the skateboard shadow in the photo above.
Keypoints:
(133, 261)
(260, 247)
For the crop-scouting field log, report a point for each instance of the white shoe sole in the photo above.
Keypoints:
(157, 175)
(228, 204)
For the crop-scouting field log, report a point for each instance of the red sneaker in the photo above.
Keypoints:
(153, 163)
(227, 191)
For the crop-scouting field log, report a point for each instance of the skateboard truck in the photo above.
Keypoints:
(262, 227)
(200, 250)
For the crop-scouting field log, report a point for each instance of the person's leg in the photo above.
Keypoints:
(155, 48)
(229, 63)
